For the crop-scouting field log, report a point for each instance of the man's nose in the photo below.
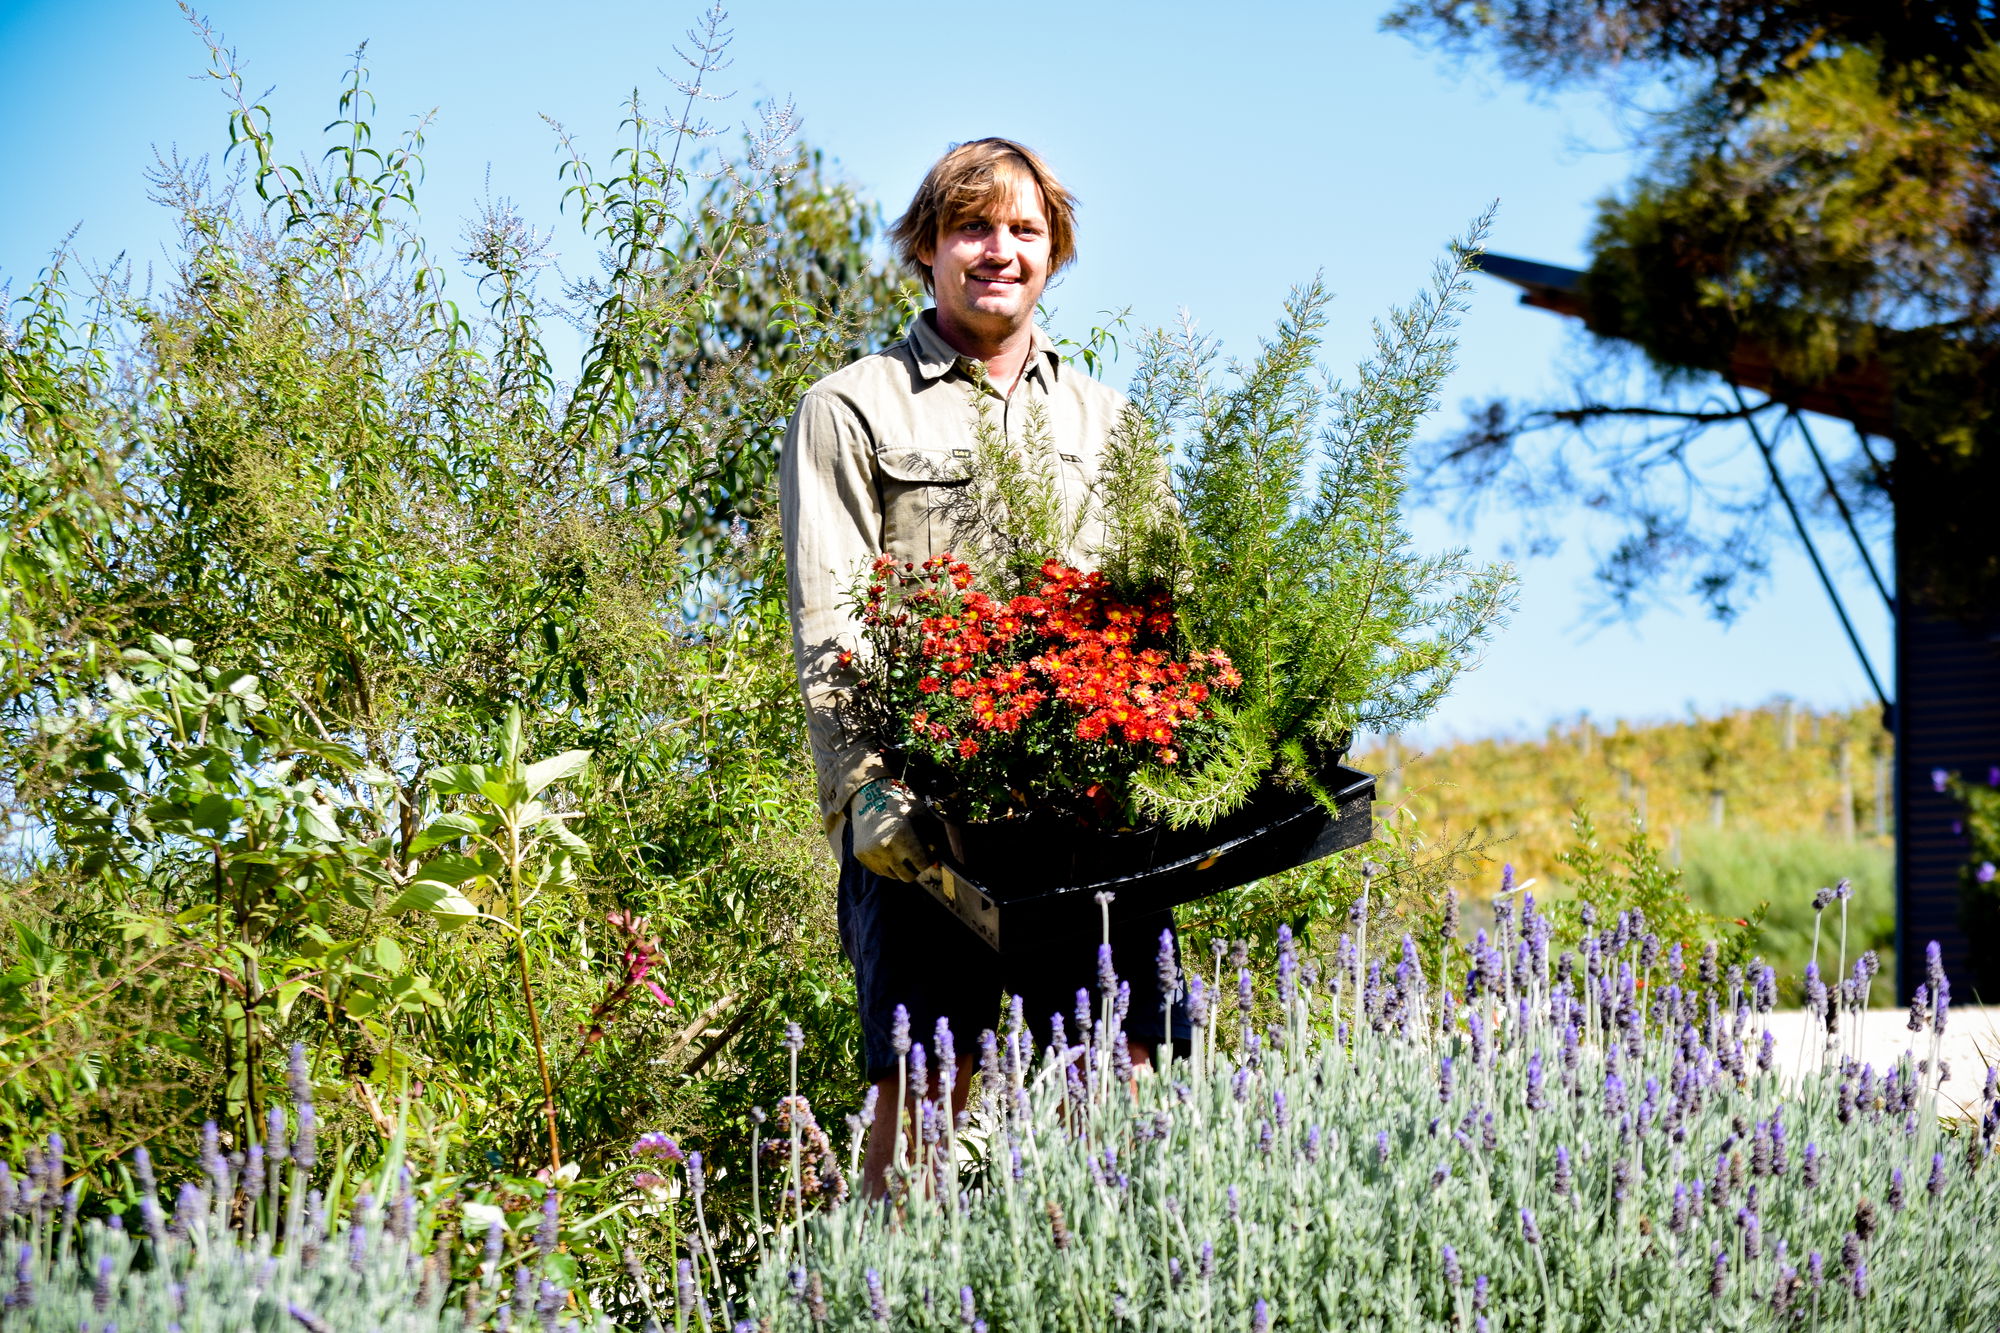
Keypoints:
(1001, 243)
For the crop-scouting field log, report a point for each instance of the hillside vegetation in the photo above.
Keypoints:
(1760, 805)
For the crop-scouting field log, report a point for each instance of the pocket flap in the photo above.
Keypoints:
(931, 467)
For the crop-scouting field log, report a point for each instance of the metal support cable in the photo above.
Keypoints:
(1840, 503)
(1812, 551)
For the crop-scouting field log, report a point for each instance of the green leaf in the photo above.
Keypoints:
(568, 764)
(215, 813)
(390, 954)
(316, 821)
(452, 869)
(448, 905)
(444, 829)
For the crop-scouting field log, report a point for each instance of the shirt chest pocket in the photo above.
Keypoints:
(923, 495)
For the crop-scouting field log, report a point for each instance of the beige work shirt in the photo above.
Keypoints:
(867, 466)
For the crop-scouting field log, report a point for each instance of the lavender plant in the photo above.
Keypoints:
(215, 1261)
(1511, 1138)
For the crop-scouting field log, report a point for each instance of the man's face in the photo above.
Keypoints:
(989, 269)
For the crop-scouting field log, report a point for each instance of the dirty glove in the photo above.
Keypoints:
(885, 837)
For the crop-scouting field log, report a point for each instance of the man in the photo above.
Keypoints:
(871, 461)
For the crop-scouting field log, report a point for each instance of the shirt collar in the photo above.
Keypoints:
(935, 357)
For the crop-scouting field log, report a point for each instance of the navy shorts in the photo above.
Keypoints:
(907, 948)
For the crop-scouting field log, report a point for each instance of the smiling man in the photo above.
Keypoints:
(872, 460)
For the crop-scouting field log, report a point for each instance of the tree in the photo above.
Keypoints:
(1820, 193)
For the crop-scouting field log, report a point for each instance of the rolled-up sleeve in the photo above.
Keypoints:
(831, 514)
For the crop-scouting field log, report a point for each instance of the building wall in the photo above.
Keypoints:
(1948, 717)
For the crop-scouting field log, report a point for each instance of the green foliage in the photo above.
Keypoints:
(1292, 557)
(1771, 878)
(290, 535)
(1601, 885)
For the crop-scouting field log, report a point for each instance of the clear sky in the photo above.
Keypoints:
(1218, 161)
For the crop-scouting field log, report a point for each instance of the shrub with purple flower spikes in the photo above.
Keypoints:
(225, 1265)
(1595, 1184)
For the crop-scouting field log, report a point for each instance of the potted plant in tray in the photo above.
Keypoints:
(1256, 598)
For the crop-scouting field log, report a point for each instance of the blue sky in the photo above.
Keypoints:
(1218, 162)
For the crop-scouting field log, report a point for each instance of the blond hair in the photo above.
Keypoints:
(970, 177)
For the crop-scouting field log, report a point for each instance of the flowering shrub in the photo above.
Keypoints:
(215, 1261)
(1508, 1139)
(1063, 692)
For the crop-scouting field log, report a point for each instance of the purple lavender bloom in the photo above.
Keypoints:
(1480, 1286)
(546, 1233)
(1895, 1196)
(1529, 1231)
(1753, 1233)
(899, 1030)
(1444, 1078)
(1312, 1144)
(1809, 1169)
(1382, 1147)
(1985, 873)
(695, 1181)
(305, 1146)
(1816, 1269)
(1197, 1002)
(1678, 1220)
(1934, 966)
(1939, 780)
(100, 1287)
(1935, 1185)
(1767, 1049)
(1614, 1096)
(298, 1076)
(878, 1303)
(1205, 1261)
(1563, 1175)
(1170, 972)
(1535, 1098)
(1718, 1274)
(1452, 1275)
(1260, 1318)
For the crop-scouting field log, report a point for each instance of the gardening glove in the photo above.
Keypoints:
(885, 835)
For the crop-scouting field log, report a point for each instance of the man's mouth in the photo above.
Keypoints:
(995, 278)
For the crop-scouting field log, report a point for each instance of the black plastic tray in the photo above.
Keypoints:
(1010, 873)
